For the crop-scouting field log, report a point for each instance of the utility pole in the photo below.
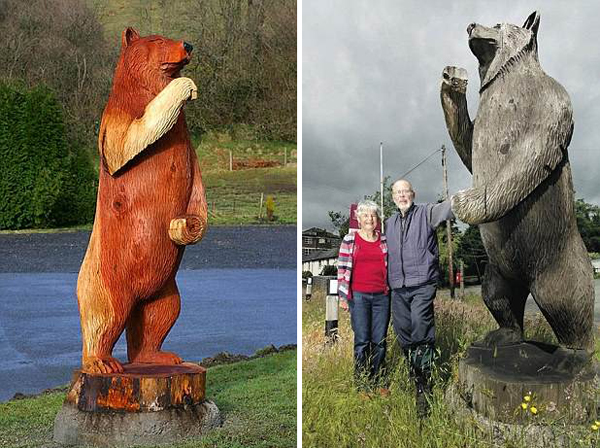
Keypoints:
(462, 280)
(448, 224)
(381, 183)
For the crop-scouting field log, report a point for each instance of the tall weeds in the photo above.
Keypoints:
(334, 414)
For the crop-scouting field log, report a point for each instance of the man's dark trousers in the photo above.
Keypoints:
(412, 312)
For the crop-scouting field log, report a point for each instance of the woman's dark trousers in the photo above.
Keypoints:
(370, 316)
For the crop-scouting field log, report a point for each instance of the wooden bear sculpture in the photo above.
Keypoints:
(522, 194)
(150, 205)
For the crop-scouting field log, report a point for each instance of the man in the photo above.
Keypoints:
(413, 273)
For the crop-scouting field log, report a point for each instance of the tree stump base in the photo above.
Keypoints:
(560, 383)
(147, 404)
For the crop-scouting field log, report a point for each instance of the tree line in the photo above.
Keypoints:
(467, 243)
(244, 59)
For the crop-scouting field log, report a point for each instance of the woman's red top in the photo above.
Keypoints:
(368, 266)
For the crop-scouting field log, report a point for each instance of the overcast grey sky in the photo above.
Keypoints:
(371, 72)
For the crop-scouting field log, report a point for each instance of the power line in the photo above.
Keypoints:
(420, 163)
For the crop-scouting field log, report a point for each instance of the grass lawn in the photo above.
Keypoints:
(234, 197)
(256, 397)
(335, 415)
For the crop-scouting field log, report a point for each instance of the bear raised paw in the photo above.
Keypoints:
(150, 205)
(522, 193)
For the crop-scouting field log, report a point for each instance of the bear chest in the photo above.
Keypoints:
(498, 128)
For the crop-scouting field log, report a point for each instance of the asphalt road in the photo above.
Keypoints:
(232, 247)
(238, 289)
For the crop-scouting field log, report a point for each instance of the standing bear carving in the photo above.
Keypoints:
(522, 194)
(150, 205)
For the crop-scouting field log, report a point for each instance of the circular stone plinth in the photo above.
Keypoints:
(493, 381)
(114, 428)
(147, 404)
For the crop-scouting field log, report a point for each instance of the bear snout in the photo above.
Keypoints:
(188, 47)
(470, 28)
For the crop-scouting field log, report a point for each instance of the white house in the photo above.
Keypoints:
(315, 261)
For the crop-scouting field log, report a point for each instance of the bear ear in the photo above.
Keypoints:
(128, 36)
(533, 22)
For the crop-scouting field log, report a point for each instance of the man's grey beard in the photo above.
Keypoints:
(404, 209)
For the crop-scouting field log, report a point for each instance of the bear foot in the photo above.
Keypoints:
(102, 364)
(502, 336)
(157, 358)
(187, 229)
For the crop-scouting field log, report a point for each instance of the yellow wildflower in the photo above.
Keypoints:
(594, 427)
(524, 406)
(533, 410)
(597, 423)
(527, 398)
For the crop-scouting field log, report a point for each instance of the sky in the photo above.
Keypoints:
(371, 73)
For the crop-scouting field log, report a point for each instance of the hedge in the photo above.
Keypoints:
(45, 181)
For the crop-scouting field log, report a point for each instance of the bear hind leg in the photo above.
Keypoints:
(101, 326)
(102, 315)
(506, 301)
(149, 324)
(565, 296)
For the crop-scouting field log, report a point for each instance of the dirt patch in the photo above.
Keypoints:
(254, 163)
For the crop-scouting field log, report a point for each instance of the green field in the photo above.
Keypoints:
(234, 197)
(257, 399)
(334, 414)
(220, 152)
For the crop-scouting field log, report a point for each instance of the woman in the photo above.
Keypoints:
(362, 287)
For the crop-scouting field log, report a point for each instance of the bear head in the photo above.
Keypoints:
(498, 47)
(150, 62)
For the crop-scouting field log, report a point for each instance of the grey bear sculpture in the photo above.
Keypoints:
(522, 194)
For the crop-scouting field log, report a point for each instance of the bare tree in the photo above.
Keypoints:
(246, 65)
(58, 43)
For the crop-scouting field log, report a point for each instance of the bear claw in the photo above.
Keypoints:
(105, 364)
(501, 337)
(469, 206)
(188, 229)
(455, 79)
(158, 357)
